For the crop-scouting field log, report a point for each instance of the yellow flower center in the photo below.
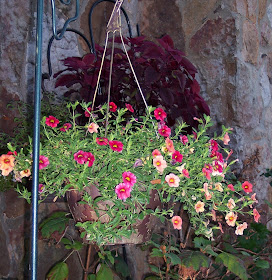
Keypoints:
(122, 190)
(6, 160)
(127, 178)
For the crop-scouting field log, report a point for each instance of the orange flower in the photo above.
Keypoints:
(199, 207)
(169, 145)
(25, 173)
(240, 228)
(6, 164)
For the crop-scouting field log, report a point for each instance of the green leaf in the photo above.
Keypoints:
(201, 242)
(121, 267)
(58, 272)
(91, 277)
(194, 259)
(58, 221)
(104, 273)
(174, 258)
(152, 278)
(262, 264)
(156, 253)
(233, 264)
(154, 269)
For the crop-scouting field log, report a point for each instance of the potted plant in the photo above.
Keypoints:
(119, 171)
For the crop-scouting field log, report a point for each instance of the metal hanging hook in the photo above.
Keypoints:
(58, 35)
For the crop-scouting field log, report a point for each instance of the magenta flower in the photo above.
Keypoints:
(86, 113)
(185, 173)
(129, 107)
(165, 131)
(112, 106)
(123, 191)
(230, 186)
(213, 145)
(89, 157)
(207, 173)
(177, 156)
(65, 127)
(159, 114)
(116, 146)
(51, 121)
(80, 157)
(183, 139)
(102, 141)
(43, 162)
(129, 178)
(247, 187)
(41, 188)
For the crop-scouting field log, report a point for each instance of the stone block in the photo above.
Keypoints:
(262, 9)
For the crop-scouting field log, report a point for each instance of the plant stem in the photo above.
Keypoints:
(89, 248)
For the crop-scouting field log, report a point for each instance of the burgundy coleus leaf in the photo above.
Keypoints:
(118, 40)
(136, 40)
(68, 80)
(177, 55)
(88, 59)
(90, 80)
(181, 78)
(151, 75)
(166, 42)
(188, 65)
(195, 87)
(167, 96)
(151, 50)
(74, 62)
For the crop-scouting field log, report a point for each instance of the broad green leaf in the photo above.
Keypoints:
(154, 269)
(58, 221)
(234, 264)
(262, 264)
(174, 258)
(58, 272)
(156, 253)
(104, 273)
(201, 242)
(194, 259)
(91, 277)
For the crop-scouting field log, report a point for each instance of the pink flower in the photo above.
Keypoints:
(123, 191)
(129, 107)
(177, 222)
(247, 187)
(231, 218)
(184, 139)
(93, 127)
(213, 215)
(25, 173)
(159, 163)
(43, 162)
(220, 227)
(112, 107)
(156, 153)
(129, 178)
(177, 156)
(256, 215)
(65, 127)
(116, 146)
(185, 173)
(41, 188)
(217, 168)
(89, 158)
(199, 207)
(208, 195)
(213, 145)
(159, 114)
(12, 153)
(226, 139)
(79, 157)
(86, 113)
(230, 186)
(51, 121)
(240, 228)
(207, 173)
(165, 131)
(253, 197)
(231, 204)
(102, 141)
(169, 145)
(172, 180)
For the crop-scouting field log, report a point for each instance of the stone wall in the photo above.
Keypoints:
(229, 41)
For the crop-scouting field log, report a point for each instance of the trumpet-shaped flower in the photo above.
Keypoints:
(165, 131)
(116, 146)
(247, 187)
(231, 218)
(177, 222)
(102, 141)
(89, 158)
(41, 188)
(169, 145)
(93, 127)
(213, 145)
(129, 178)
(129, 107)
(230, 186)
(172, 180)
(123, 191)
(177, 156)
(25, 173)
(240, 228)
(79, 157)
(159, 163)
(218, 187)
(51, 121)
(226, 139)
(43, 161)
(256, 215)
(185, 173)
(65, 127)
(231, 204)
(6, 163)
(159, 114)
(112, 107)
(156, 153)
(199, 207)
(184, 139)
(87, 113)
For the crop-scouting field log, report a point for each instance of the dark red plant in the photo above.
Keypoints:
(166, 76)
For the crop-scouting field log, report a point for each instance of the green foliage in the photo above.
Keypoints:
(104, 273)
(194, 259)
(59, 271)
(58, 221)
(74, 245)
